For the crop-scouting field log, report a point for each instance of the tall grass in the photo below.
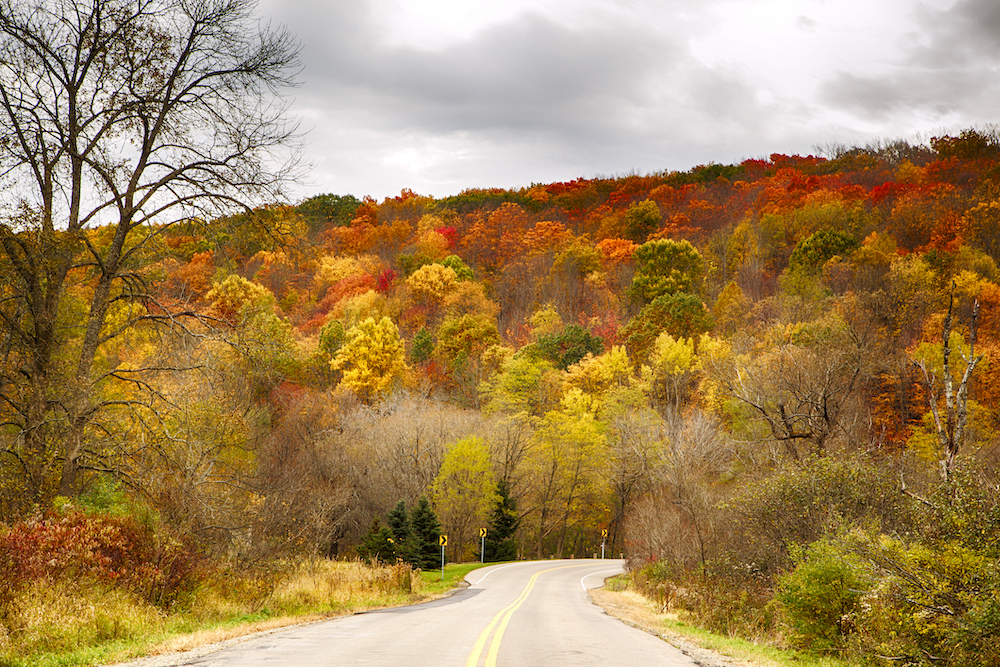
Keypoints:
(50, 622)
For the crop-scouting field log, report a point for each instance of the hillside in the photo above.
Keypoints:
(770, 385)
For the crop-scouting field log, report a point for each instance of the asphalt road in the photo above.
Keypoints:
(517, 615)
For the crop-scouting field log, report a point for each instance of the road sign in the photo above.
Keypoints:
(482, 532)
(604, 532)
(443, 540)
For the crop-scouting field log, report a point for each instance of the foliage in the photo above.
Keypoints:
(821, 596)
(426, 530)
(566, 347)
(642, 219)
(680, 315)
(811, 252)
(666, 267)
(421, 347)
(372, 358)
(464, 493)
(501, 543)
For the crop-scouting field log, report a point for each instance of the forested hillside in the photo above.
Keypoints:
(774, 384)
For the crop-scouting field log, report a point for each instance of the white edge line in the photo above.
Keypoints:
(594, 574)
(502, 567)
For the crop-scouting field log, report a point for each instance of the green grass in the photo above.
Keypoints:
(747, 650)
(454, 575)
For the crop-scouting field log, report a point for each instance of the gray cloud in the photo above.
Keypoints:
(570, 89)
(947, 69)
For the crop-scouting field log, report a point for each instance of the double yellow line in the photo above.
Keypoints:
(503, 618)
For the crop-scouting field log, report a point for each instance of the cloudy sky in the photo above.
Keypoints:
(443, 95)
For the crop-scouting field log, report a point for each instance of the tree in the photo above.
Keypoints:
(132, 114)
(372, 358)
(402, 532)
(951, 428)
(426, 530)
(680, 315)
(642, 219)
(665, 266)
(464, 491)
(568, 346)
(500, 544)
(378, 546)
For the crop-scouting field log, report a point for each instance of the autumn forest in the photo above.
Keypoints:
(744, 366)
(773, 386)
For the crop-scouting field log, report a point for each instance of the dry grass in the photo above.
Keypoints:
(706, 648)
(71, 623)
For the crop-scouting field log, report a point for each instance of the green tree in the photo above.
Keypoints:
(642, 219)
(402, 533)
(680, 315)
(665, 266)
(422, 346)
(461, 269)
(811, 252)
(378, 545)
(426, 530)
(500, 544)
(567, 347)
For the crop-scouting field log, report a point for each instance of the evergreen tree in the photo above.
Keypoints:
(426, 529)
(378, 545)
(500, 543)
(402, 533)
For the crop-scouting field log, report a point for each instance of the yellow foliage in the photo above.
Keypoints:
(334, 268)
(432, 244)
(596, 375)
(907, 172)
(469, 298)
(429, 222)
(432, 281)
(545, 321)
(361, 306)
(235, 292)
(372, 359)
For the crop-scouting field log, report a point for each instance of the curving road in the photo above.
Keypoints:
(517, 614)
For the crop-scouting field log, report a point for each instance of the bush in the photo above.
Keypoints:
(155, 565)
(821, 596)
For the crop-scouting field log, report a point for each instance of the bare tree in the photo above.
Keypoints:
(951, 427)
(117, 119)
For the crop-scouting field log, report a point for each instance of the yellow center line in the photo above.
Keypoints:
(505, 614)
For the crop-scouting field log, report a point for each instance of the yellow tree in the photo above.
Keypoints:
(567, 461)
(464, 493)
(372, 359)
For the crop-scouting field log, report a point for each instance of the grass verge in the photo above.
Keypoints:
(630, 606)
(47, 626)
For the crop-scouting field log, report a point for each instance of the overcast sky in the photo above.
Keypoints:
(443, 95)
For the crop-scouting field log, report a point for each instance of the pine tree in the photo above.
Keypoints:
(402, 533)
(426, 529)
(378, 545)
(500, 543)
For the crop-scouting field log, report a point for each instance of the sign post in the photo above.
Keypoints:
(604, 536)
(443, 541)
(482, 545)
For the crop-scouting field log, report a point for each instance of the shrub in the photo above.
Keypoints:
(821, 596)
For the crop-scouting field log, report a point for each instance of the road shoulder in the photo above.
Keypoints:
(633, 609)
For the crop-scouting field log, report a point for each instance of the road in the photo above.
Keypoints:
(516, 614)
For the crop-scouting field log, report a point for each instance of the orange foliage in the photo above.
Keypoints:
(616, 251)
(546, 235)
